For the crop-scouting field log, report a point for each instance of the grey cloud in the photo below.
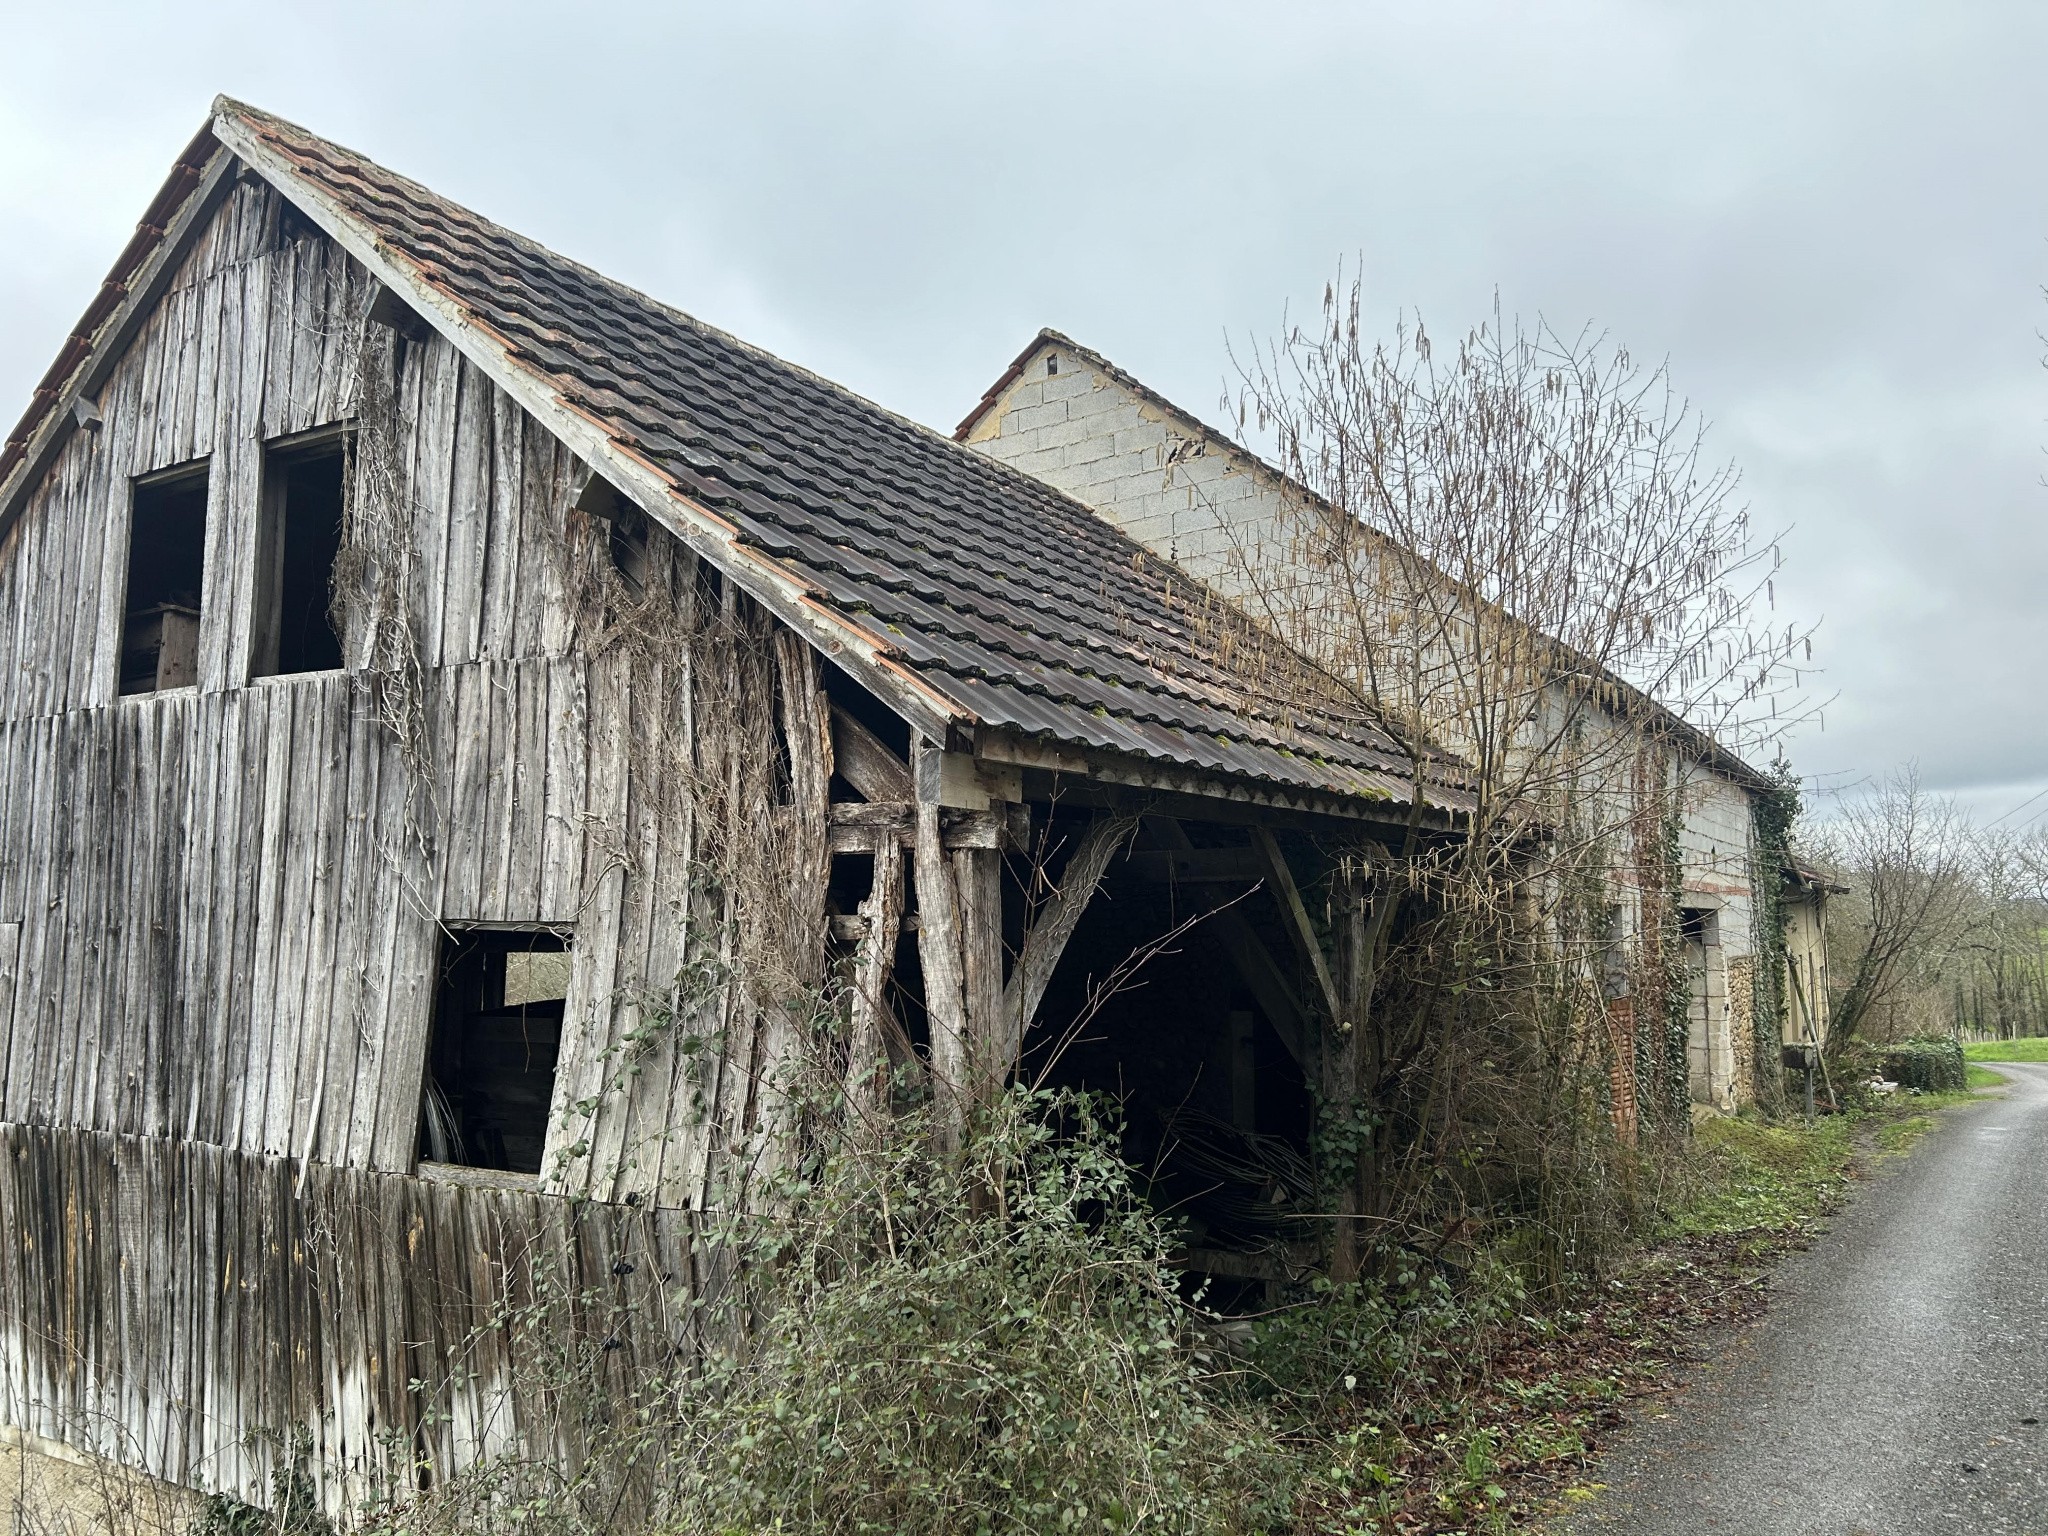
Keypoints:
(1832, 219)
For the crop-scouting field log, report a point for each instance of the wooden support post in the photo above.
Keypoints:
(1268, 985)
(867, 1054)
(978, 879)
(1352, 1062)
(1244, 1082)
(1301, 932)
(939, 953)
(865, 761)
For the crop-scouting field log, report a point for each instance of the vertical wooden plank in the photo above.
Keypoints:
(10, 971)
(332, 1052)
(526, 834)
(339, 333)
(31, 535)
(432, 467)
(593, 961)
(109, 508)
(939, 949)
(626, 1142)
(544, 620)
(135, 780)
(501, 785)
(206, 315)
(266, 1120)
(16, 809)
(274, 276)
(97, 1002)
(237, 493)
(322, 762)
(164, 1071)
(10, 609)
(78, 626)
(199, 1065)
(463, 846)
(237, 946)
(309, 331)
(504, 550)
(361, 941)
(27, 1099)
(472, 452)
(57, 595)
(568, 730)
(978, 877)
(31, 1087)
(409, 969)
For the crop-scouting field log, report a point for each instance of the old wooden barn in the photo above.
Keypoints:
(450, 704)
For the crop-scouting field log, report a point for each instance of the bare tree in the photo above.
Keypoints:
(1907, 857)
(1515, 548)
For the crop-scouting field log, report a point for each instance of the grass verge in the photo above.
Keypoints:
(1514, 1441)
(2035, 1049)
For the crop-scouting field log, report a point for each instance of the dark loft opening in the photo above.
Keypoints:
(166, 560)
(491, 1056)
(302, 535)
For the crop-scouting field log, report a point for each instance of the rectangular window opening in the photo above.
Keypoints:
(166, 569)
(302, 495)
(491, 1056)
(1699, 925)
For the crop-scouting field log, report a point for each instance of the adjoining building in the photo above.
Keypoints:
(1193, 496)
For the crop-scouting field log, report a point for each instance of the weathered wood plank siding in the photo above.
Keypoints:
(219, 919)
(174, 1306)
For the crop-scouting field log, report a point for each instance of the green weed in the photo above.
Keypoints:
(1750, 1176)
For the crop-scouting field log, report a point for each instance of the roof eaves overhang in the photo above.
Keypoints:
(793, 600)
(1390, 809)
(198, 180)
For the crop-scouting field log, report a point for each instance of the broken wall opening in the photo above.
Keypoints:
(166, 575)
(493, 1048)
(293, 629)
(1180, 996)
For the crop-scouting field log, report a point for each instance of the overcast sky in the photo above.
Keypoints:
(1832, 220)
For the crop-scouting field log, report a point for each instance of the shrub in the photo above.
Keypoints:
(920, 1342)
(1927, 1064)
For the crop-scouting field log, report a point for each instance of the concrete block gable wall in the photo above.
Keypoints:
(1157, 475)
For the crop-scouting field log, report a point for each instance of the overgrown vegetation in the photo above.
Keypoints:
(1774, 814)
(1752, 1176)
(1515, 551)
(997, 1341)
(1926, 1064)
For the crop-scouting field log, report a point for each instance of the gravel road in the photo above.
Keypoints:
(1899, 1383)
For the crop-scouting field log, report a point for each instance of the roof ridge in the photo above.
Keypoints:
(981, 462)
(695, 322)
(1022, 610)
